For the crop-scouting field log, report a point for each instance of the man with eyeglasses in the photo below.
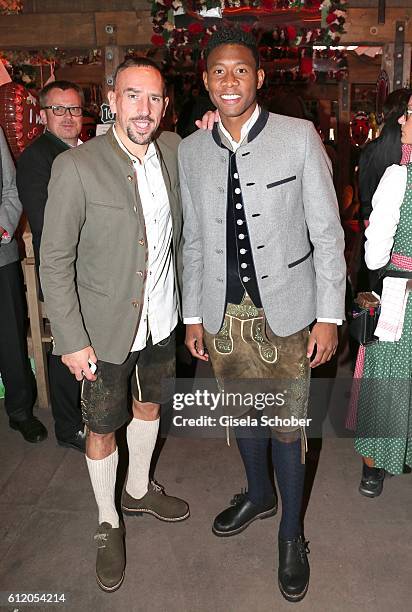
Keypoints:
(61, 112)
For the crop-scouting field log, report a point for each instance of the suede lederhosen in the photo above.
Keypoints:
(246, 356)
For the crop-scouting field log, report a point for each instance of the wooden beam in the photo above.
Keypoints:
(74, 30)
(134, 28)
(39, 31)
(362, 26)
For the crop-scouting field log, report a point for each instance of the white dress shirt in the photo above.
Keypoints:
(159, 311)
(384, 218)
(246, 127)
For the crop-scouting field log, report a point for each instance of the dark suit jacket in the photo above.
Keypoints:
(33, 175)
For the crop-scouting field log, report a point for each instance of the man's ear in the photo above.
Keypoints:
(205, 80)
(111, 96)
(260, 78)
(43, 117)
(166, 104)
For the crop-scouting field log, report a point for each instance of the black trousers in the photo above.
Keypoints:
(65, 399)
(18, 378)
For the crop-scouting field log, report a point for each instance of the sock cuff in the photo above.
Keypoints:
(109, 460)
(142, 427)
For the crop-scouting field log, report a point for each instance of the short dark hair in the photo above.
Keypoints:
(232, 36)
(64, 85)
(138, 62)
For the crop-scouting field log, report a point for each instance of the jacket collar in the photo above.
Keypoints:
(255, 130)
(56, 140)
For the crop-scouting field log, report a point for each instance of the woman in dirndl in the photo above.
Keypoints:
(384, 411)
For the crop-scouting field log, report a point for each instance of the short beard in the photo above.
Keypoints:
(139, 139)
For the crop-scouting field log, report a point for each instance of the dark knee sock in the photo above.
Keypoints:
(290, 475)
(253, 445)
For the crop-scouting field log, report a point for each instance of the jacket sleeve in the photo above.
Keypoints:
(33, 175)
(63, 220)
(10, 205)
(192, 251)
(325, 230)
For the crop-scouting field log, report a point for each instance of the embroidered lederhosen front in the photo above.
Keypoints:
(246, 354)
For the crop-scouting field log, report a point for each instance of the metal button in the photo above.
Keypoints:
(135, 303)
(141, 242)
(238, 205)
(237, 190)
(243, 265)
(245, 279)
(129, 177)
(134, 208)
(242, 251)
(241, 236)
(236, 176)
(239, 222)
(139, 272)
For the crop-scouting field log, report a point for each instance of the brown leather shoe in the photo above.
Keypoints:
(111, 558)
(157, 503)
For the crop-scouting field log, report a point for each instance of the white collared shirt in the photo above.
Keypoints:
(159, 312)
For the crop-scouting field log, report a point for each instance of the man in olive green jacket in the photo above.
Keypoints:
(109, 270)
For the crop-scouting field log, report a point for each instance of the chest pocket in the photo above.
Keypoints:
(281, 182)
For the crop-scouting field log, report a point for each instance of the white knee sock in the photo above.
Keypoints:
(141, 440)
(103, 476)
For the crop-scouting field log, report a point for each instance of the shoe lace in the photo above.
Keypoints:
(157, 486)
(101, 539)
(303, 548)
(238, 497)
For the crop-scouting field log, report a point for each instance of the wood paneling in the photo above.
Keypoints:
(362, 25)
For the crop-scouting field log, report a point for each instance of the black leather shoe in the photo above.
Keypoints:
(78, 441)
(31, 429)
(372, 485)
(293, 572)
(240, 514)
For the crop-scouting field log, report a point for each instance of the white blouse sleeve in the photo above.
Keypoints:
(384, 219)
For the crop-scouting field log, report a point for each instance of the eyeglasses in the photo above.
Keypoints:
(59, 111)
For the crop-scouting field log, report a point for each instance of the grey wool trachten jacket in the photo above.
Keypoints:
(292, 218)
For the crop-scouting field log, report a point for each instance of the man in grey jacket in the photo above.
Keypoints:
(262, 260)
(109, 267)
(15, 367)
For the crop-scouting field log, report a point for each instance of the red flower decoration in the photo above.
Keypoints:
(331, 17)
(195, 28)
(158, 40)
(246, 28)
(291, 32)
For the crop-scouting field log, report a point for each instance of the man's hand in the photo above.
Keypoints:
(208, 120)
(325, 337)
(78, 363)
(194, 341)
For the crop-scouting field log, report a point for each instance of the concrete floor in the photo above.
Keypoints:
(361, 554)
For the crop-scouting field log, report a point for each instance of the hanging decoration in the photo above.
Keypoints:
(19, 116)
(43, 57)
(178, 23)
(11, 7)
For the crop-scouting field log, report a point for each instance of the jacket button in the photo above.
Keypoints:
(135, 303)
(139, 272)
(129, 177)
(141, 242)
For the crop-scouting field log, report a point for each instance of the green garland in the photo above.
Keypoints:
(197, 33)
